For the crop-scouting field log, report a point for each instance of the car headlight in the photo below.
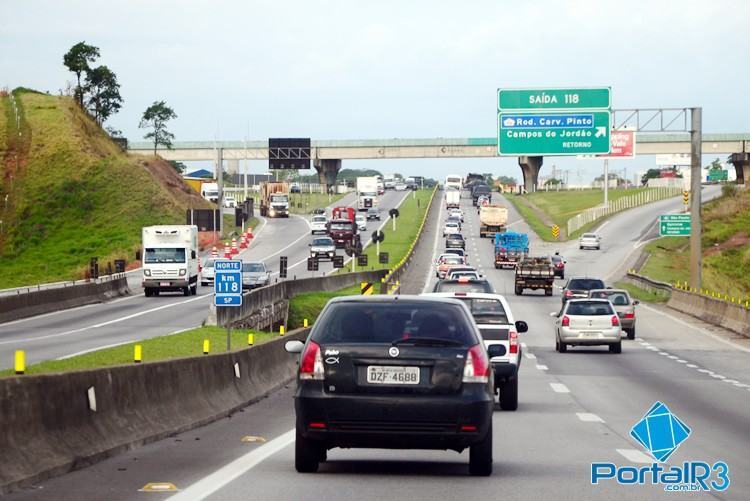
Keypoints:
(147, 273)
(183, 271)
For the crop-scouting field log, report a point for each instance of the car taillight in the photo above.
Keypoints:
(311, 363)
(630, 315)
(565, 321)
(463, 280)
(477, 368)
(513, 342)
(615, 321)
(568, 293)
(559, 265)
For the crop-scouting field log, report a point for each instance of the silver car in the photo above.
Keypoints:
(590, 241)
(254, 274)
(207, 272)
(587, 322)
(323, 248)
(624, 306)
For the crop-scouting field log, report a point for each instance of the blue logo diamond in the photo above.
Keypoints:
(660, 432)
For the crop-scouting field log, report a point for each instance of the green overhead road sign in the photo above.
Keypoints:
(558, 133)
(718, 175)
(554, 99)
(674, 225)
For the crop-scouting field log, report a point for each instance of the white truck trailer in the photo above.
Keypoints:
(170, 259)
(367, 193)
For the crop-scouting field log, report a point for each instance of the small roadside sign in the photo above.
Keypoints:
(338, 261)
(362, 260)
(228, 282)
(555, 231)
(674, 225)
(383, 258)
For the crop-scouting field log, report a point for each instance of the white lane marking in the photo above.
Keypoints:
(702, 331)
(430, 268)
(717, 376)
(634, 456)
(681, 361)
(282, 250)
(559, 388)
(530, 355)
(652, 348)
(542, 367)
(587, 417)
(705, 371)
(215, 481)
(692, 366)
(664, 353)
(109, 322)
(731, 381)
(672, 357)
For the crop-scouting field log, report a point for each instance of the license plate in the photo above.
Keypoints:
(164, 284)
(590, 333)
(392, 375)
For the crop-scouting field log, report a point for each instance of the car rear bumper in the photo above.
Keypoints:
(590, 337)
(405, 421)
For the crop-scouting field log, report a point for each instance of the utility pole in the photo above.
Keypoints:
(696, 138)
(247, 168)
(220, 185)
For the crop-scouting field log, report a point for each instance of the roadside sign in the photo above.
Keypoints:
(312, 264)
(555, 231)
(554, 99)
(227, 282)
(383, 258)
(338, 261)
(674, 225)
(718, 175)
(377, 236)
(362, 260)
(558, 133)
(393, 212)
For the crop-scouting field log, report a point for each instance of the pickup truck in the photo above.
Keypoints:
(510, 248)
(535, 273)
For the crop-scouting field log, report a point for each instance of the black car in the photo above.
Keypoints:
(455, 241)
(464, 284)
(373, 213)
(393, 372)
(579, 287)
(479, 190)
(295, 189)
(558, 264)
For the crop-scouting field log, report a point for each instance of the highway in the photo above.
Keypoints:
(574, 408)
(127, 319)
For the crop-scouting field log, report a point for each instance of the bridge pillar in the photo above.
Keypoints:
(741, 162)
(327, 169)
(530, 166)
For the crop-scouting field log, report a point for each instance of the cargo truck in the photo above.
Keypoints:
(367, 193)
(274, 199)
(535, 273)
(210, 191)
(510, 248)
(170, 259)
(452, 198)
(492, 220)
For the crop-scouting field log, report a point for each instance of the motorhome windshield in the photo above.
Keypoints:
(278, 198)
(155, 255)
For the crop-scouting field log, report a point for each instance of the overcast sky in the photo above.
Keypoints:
(385, 69)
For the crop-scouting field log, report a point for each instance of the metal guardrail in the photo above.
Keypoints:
(26, 289)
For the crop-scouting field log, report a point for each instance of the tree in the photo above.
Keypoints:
(554, 182)
(77, 60)
(650, 174)
(488, 178)
(715, 165)
(507, 180)
(156, 116)
(178, 166)
(104, 93)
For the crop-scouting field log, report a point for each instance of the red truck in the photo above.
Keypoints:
(342, 228)
(343, 213)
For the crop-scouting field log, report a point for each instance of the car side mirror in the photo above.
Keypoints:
(294, 346)
(564, 262)
(553, 313)
(309, 245)
(635, 302)
(495, 350)
(522, 326)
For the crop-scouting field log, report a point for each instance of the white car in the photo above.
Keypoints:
(587, 322)
(456, 274)
(590, 241)
(230, 202)
(500, 332)
(361, 221)
(457, 213)
(400, 187)
(450, 228)
(207, 272)
(318, 224)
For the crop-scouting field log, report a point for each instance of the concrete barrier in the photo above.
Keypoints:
(48, 426)
(29, 304)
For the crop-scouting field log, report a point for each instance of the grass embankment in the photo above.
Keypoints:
(726, 249)
(184, 344)
(642, 294)
(230, 230)
(308, 306)
(557, 207)
(76, 195)
(304, 203)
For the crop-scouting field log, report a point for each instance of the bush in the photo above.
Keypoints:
(729, 190)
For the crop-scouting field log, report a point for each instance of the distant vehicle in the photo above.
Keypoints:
(623, 304)
(474, 179)
(492, 220)
(373, 214)
(559, 265)
(500, 332)
(453, 181)
(170, 259)
(344, 232)
(399, 186)
(411, 183)
(587, 322)
(445, 263)
(230, 202)
(294, 188)
(458, 252)
(207, 272)
(455, 240)
(274, 199)
(318, 224)
(479, 190)
(456, 212)
(482, 201)
(589, 241)
(210, 191)
(319, 210)
(323, 248)
(510, 248)
(361, 221)
(367, 193)
(452, 198)
(389, 182)
(464, 285)
(343, 212)
(451, 227)
(534, 273)
(409, 372)
(254, 275)
(579, 287)
(454, 274)
(454, 219)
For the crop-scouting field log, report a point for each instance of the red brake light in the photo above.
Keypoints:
(565, 321)
(477, 368)
(311, 362)
(468, 428)
(317, 425)
(630, 315)
(463, 280)
(512, 342)
(615, 321)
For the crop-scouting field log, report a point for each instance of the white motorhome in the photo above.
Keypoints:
(210, 191)
(453, 181)
(367, 193)
(170, 259)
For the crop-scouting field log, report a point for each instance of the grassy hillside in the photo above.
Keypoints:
(74, 195)
(726, 249)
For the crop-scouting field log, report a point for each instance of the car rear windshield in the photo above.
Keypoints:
(452, 260)
(617, 298)
(253, 267)
(588, 235)
(384, 323)
(585, 284)
(455, 236)
(341, 226)
(472, 286)
(487, 310)
(209, 263)
(319, 219)
(322, 242)
(589, 308)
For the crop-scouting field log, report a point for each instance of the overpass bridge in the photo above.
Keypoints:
(327, 155)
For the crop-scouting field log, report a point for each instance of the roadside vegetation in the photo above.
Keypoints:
(642, 294)
(726, 248)
(304, 203)
(308, 306)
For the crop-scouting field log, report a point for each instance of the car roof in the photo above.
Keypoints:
(455, 235)
(609, 290)
(588, 300)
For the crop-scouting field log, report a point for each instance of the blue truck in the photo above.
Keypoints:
(510, 248)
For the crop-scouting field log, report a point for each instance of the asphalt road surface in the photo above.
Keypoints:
(574, 409)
